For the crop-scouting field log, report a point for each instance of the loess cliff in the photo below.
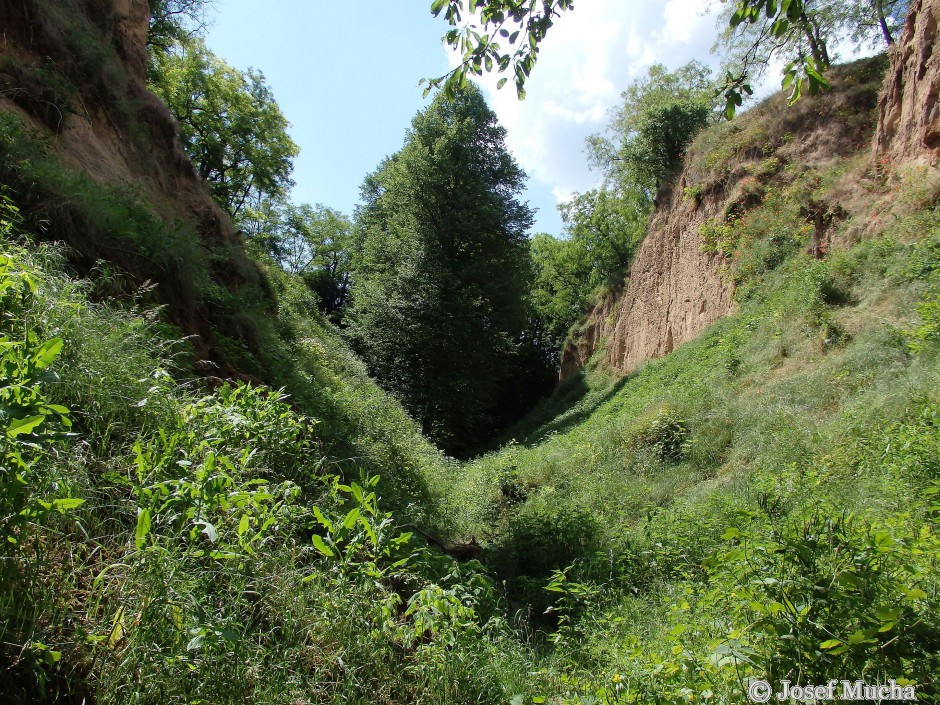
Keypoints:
(680, 282)
(73, 77)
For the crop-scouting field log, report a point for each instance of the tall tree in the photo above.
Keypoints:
(440, 270)
(230, 125)
(313, 241)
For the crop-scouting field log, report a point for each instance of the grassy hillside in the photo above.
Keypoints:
(166, 541)
(761, 502)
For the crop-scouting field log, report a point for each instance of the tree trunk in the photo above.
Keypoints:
(885, 32)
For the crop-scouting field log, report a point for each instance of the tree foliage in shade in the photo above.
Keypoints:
(230, 125)
(440, 270)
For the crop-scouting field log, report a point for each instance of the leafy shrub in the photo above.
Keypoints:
(828, 593)
(540, 539)
(718, 237)
(664, 433)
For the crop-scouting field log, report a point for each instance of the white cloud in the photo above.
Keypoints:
(590, 55)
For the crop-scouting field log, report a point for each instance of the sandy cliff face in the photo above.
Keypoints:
(675, 288)
(674, 291)
(92, 136)
(909, 107)
(106, 124)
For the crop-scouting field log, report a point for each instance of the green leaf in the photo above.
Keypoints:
(860, 637)
(47, 353)
(324, 522)
(350, 520)
(243, 524)
(228, 636)
(64, 505)
(369, 530)
(21, 426)
(830, 644)
(143, 527)
(818, 77)
(320, 545)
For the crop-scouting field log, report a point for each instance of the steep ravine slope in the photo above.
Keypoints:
(674, 291)
(73, 81)
(90, 159)
(679, 283)
(744, 506)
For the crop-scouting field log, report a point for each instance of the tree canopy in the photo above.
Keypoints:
(230, 124)
(801, 33)
(440, 269)
(173, 21)
(494, 34)
(657, 118)
(504, 35)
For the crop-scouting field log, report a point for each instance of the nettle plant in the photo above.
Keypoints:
(198, 484)
(29, 420)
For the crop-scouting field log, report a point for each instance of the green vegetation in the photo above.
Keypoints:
(759, 32)
(154, 530)
(641, 150)
(439, 271)
(756, 34)
(604, 230)
(650, 130)
(173, 21)
(760, 503)
(230, 125)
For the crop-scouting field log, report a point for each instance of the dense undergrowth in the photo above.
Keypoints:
(761, 503)
(165, 542)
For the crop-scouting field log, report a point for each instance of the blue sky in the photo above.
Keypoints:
(345, 74)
